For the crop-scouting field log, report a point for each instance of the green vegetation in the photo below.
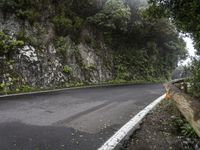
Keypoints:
(62, 46)
(67, 69)
(195, 79)
(30, 15)
(78, 23)
(25, 88)
(115, 15)
(4, 87)
(143, 48)
(180, 125)
(8, 47)
(184, 128)
(63, 25)
(185, 15)
(8, 44)
(23, 9)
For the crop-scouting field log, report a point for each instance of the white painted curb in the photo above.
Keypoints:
(129, 126)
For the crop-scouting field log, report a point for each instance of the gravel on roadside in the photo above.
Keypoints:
(159, 132)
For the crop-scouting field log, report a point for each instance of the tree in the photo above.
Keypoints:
(115, 15)
(186, 16)
(184, 13)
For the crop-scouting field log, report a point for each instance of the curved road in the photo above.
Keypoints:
(81, 119)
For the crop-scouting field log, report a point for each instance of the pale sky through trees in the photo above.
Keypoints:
(190, 48)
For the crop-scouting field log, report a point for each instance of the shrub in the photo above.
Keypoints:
(25, 88)
(30, 15)
(24, 10)
(183, 127)
(4, 87)
(78, 23)
(8, 44)
(62, 46)
(62, 24)
(7, 6)
(115, 15)
(67, 69)
(195, 79)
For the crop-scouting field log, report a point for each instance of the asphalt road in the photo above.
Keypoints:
(81, 119)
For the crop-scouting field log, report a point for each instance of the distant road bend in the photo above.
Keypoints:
(81, 119)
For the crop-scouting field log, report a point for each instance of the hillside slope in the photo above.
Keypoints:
(48, 43)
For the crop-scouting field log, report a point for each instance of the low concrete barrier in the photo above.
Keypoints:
(187, 105)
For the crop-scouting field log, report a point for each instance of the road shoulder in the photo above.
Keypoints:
(159, 131)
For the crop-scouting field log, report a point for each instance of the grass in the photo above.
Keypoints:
(82, 85)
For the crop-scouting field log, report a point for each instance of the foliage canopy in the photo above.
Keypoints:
(186, 16)
(114, 15)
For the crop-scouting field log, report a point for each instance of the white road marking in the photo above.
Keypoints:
(130, 126)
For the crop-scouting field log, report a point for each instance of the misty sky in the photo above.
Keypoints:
(190, 48)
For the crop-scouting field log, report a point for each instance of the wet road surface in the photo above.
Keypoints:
(81, 119)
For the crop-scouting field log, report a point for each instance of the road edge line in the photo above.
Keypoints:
(130, 126)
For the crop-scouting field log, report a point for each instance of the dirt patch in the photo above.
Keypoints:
(159, 131)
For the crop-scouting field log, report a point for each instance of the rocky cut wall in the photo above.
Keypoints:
(48, 61)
